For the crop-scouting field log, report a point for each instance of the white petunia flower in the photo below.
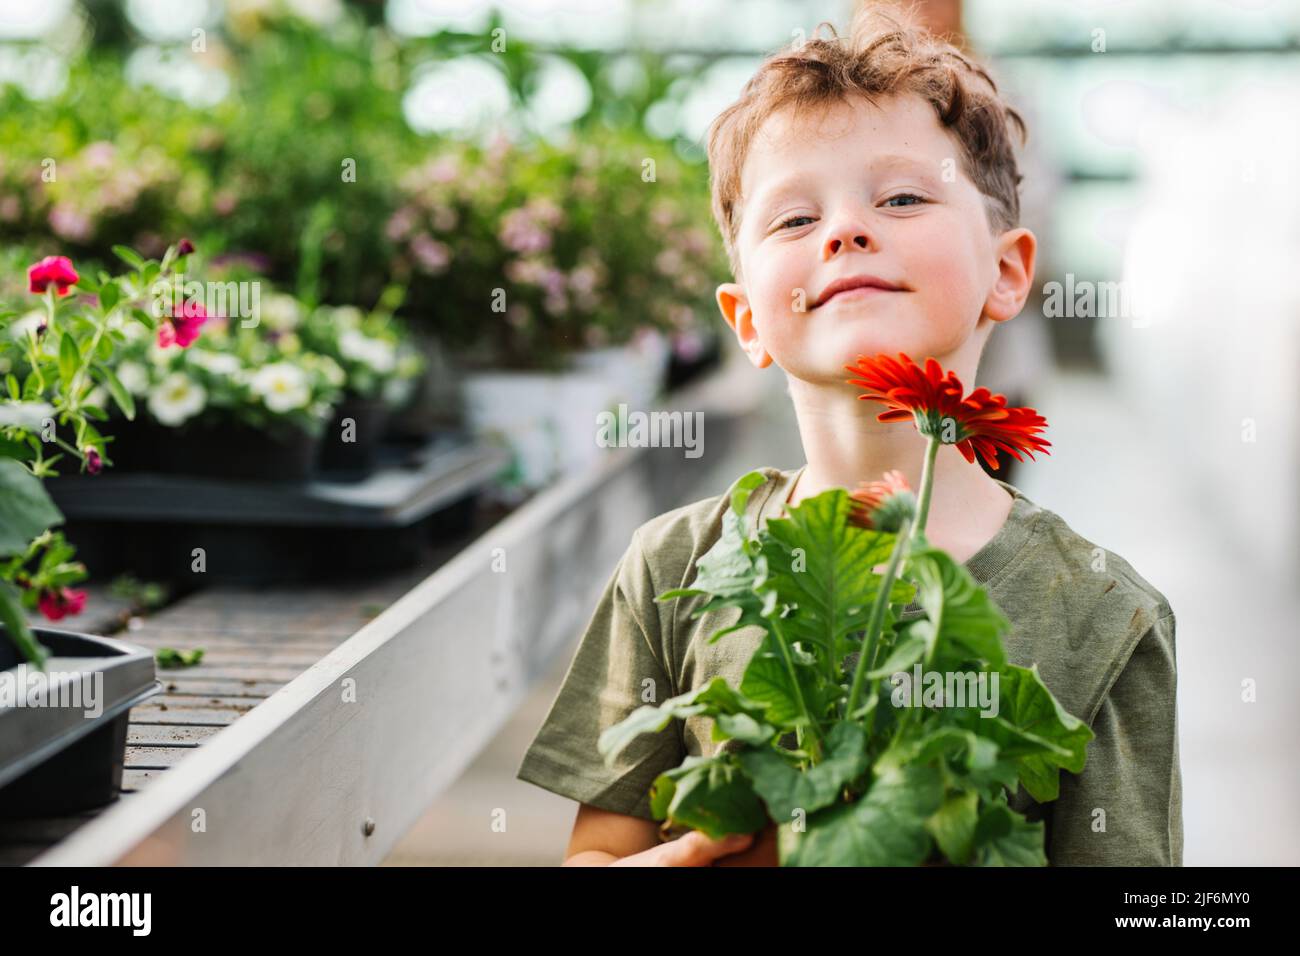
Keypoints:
(332, 371)
(135, 330)
(281, 312)
(97, 396)
(218, 363)
(378, 354)
(159, 355)
(176, 399)
(134, 377)
(283, 386)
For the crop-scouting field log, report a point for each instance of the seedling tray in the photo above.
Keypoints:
(266, 532)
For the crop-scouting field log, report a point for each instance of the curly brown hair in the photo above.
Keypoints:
(886, 53)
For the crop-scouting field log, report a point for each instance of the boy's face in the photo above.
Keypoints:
(865, 190)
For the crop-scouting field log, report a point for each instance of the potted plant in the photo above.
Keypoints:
(244, 400)
(555, 273)
(380, 368)
(64, 697)
(822, 758)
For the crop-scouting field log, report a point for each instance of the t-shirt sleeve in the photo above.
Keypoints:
(617, 668)
(1125, 807)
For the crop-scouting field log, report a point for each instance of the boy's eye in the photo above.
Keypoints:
(904, 196)
(794, 219)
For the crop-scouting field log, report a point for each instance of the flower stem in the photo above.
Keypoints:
(813, 726)
(902, 542)
(927, 483)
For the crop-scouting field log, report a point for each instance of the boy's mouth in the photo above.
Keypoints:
(853, 283)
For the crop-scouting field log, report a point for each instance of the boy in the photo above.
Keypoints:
(884, 158)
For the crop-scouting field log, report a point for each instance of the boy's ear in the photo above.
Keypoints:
(1016, 251)
(734, 304)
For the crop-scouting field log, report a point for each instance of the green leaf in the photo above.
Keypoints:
(1005, 838)
(767, 679)
(818, 562)
(726, 574)
(11, 383)
(129, 256)
(907, 650)
(785, 789)
(712, 795)
(109, 296)
(953, 826)
(715, 697)
(15, 626)
(121, 396)
(1026, 702)
(664, 787)
(743, 489)
(963, 621)
(743, 727)
(170, 657)
(25, 508)
(69, 358)
(886, 827)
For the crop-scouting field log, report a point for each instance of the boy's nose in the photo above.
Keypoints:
(848, 231)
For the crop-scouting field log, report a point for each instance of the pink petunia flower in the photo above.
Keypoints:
(183, 327)
(56, 605)
(52, 269)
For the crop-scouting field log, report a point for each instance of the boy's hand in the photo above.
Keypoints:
(693, 849)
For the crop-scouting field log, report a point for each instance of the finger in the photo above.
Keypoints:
(697, 849)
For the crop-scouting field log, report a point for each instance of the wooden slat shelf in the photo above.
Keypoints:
(255, 641)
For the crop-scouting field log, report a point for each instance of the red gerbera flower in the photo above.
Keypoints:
(979, 422)
(52, 269)
(881, 505)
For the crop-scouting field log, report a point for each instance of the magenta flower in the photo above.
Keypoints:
(183, 328)
(52, 269)
(56, 605)
(94, 463)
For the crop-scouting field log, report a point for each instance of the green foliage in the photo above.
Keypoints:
(58, 384)
(898, 782)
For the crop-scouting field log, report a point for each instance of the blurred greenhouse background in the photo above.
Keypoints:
(490, 139)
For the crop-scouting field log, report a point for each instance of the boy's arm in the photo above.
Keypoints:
(619, 666)
(1125, 807)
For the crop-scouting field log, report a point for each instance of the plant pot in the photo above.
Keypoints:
(69, 758)
(636, 372)
(762, 852)
(547, 419)
(233, 450)
(350, 453)
(134, 447)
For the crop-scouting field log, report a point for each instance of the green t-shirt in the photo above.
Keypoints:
(1102, 637)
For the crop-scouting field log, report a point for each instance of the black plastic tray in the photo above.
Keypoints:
(56, 760)
(270, 532)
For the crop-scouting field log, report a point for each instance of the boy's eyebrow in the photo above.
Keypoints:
(773, 194)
